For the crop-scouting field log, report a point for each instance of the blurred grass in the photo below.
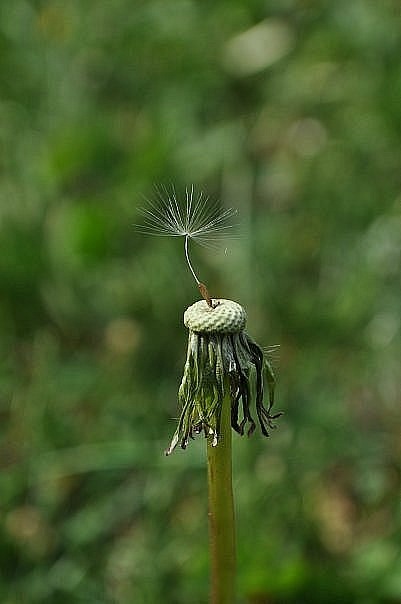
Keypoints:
(290, 113)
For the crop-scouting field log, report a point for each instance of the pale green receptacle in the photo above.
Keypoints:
(225, 316)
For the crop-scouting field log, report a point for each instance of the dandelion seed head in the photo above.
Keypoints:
(222, 359)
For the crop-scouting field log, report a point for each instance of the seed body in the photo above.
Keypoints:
(225, 317)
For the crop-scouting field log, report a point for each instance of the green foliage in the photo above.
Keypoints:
(289, 112)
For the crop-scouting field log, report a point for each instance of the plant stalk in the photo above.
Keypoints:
(221, 511)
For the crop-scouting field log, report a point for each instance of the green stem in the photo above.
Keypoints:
(221, 511)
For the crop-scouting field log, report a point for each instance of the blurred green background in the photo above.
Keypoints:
(289, 112)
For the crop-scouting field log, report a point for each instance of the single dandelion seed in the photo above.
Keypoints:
(198, 219)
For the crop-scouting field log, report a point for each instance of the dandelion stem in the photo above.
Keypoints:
(221, 510)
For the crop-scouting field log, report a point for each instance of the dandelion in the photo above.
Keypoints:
(223, 375)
